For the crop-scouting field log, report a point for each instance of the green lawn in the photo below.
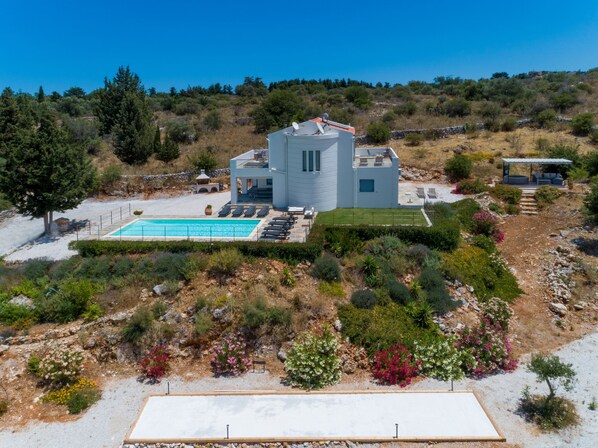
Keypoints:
(373, 216)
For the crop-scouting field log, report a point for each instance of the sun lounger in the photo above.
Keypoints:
(432, 193)
(238, 212)
(421, 193)
(224, 211)
(270, 229)
(263, 211)
(274, 237)
(285, 218)
(250, 211)
(281, 227)
(282, 223)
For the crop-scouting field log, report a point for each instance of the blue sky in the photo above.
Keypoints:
(60, 44)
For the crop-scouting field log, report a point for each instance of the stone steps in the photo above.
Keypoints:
(528, 205)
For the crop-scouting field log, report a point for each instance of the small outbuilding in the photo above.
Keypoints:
(537, 176)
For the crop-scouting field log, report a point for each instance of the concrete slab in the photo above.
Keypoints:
(270, 416)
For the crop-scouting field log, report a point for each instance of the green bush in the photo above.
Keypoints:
(442, 361)
(33, 363)
(472, 186)
(138, 325)
(486, 243)
(458, 167)
(487, 273)
(169, 267)
(496, 208)
(458, 107)
(35, 269)
(327, 269)
(312, 362)
(465, 209)
(93, 312)
(437, 295)
(549, 415)
(378, 132)
(511, 209)
(364, 299)
(546, 195)
(506, 193)
(594, 137)
(17, 315)
(287, 278)
(3, 407)
(383, 326)
(225, 261)
(413, 139)
(70, 302)
(159, 309)
(509, 124)
(61, 368)
(583, 124)
(546, 118)
(258, 314)
(332, 289)
(203, 323)
(398, 292)
(498, 312)
(81, 399)
(591, 202)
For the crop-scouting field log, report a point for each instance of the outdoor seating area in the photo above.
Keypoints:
(247, 211)
(279, 228)
(536, 176)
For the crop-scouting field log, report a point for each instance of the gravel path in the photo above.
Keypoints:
(20, 235)
(106, 423)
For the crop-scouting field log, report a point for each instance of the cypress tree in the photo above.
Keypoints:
(44, 172)
(157, 141)
(41, 96)
(169, 150)
(133, 139)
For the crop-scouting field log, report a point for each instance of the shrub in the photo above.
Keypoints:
(3, 407)
(496, 208)
(225, 261)
(364, 299)
(563, 151)
(181, 131)
(471, 186)
(382, 327)
(287, 278)
(486, 224)
(583, 124)
(394, 365)
(421, 313)
(458, 167)
(378, 132)
(436, 294)
(204, 160)
(591, 202)
(258, 314)
(511, 209)
(398, 292)
(312, 362)
(61, 368)
(93, 312)
(159, 309)
(506, 193)
(508, 125)
(155, 364)
(413, 139)
(497, 312)
(203, 323)
(490, 347)
(212, 120)
(407, 108)
(71, 301)
(486, 243)
(229, 356)
(487, 273)
(594, 137)
(546, 195)
(16, 315)
(138, 325)
(442, 361)
(546, 118)
(169, 267)
(327, 269)
(80, 400)
(33, 364)
(458, 107)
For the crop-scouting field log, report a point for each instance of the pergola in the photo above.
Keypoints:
(546, 178)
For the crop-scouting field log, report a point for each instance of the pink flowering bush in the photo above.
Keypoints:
(229, 356)
(156, 363)
(485, 224)
(490, 346)
(395, 366)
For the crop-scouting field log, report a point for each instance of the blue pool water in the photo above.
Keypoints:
(192, 228)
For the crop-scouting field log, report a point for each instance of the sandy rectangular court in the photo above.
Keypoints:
(270, 416)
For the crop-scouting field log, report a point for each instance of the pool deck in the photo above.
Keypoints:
(366, 416)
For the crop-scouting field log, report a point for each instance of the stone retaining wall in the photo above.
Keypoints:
(185, 175)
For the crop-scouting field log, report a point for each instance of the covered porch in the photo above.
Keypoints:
(251, 179)
(537, 176)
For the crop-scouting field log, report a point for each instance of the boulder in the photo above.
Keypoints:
(580, 306)
(22, 300)
(161, 289)
(558, 308)
(338, 325)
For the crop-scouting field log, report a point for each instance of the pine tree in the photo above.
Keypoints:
(12, 119)
(41, 96)
(169, 150)
(133, 136)
(44, 172)
(111, 97)
(157, 141)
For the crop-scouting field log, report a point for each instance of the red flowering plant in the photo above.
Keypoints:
(395, 366)
(490, 346)
(230, 356)
(486, 224)
(155, 364)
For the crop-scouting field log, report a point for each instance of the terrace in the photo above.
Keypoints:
(536, 177)
(373, 157)
(254, 158)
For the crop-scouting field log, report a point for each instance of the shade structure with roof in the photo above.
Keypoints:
(534, 178)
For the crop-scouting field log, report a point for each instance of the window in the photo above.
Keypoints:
(309, 157)
(366, 185)
(268, 181)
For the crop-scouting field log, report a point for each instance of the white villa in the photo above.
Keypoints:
(316, 164)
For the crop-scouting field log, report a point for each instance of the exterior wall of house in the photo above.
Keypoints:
(386, 187)
(346, 185)
(313, 188)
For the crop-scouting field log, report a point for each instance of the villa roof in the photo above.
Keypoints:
(335, 125)
(533, 161)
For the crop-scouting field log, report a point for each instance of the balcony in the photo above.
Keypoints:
(255, 158)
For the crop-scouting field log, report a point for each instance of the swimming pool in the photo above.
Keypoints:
(188, 228)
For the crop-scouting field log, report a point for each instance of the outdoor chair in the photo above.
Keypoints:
(432, 193)
(421, 193)
(224, 211)
(238, 212)
(363, 161)
(378, 161)
(263, 212)
(250, 211)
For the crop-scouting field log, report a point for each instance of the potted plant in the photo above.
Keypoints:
(137, 212)
(208, 209)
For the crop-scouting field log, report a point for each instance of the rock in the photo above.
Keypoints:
(4, 348)
(558, 309)
(281, 355)
(338, 325)
(349, 366)
(22, 300)
(219, 313)
(161, 289)
(580, 306)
